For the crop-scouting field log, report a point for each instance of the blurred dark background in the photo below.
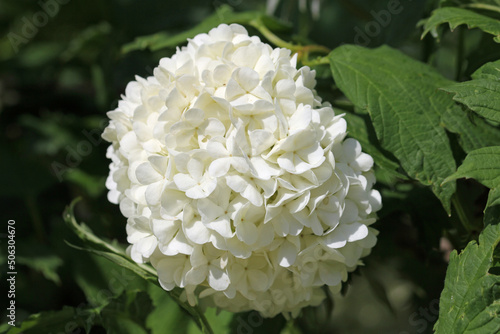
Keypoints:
(62, 68)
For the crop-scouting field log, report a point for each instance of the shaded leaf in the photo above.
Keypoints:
(219, 320)
(166, 313)
(65, 321)
(483, 165)
(127, 314)
(458, 16)
(482, 94)
(473, 132)
(116, 254)
(46, 264)
(253, 322)
(223, 14)
(492, 210)
(469, 302)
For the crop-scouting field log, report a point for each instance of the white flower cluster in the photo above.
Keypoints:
(236, 180)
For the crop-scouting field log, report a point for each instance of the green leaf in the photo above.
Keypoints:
(470, 299)
(47, 264)
(219, 320)
(489, 70)
(127, 314)
(483, 165)
(482, 94)
(88, 44)
(473, 132)
(66, 321)
(360, 128)
(166, 313)
(223, 14)
(116, 254)
(101, 281)
(405, 106)
(457, 16)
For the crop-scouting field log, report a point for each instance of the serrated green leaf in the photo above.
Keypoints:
(483, 165)
(490, 70)
(458, 16)
(223, 14)
(405, 106)
(482, 94)
(358, 128)
(473, 132)
(65, 321)
(470, 300)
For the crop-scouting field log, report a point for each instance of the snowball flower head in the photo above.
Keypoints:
(237, 182)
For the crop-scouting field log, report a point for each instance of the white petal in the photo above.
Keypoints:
(350, 212)
(218, 279)
(219, 167)
(184, 181)
(221, 226)
(287, 253)
(335, 239)
(196, 231)
(209, 210)
(261, 140)
(154, 192)
(146, 174)
(247, 78)
(196, 275)
(355, 231)
(363, 163)
(351, 148)
(329, 274)
(196, 168)
(258, 280)
(247, 232)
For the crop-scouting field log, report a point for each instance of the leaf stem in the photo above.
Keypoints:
(316, 62)
(302, 51)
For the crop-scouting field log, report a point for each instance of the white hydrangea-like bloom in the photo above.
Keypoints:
(237, 181)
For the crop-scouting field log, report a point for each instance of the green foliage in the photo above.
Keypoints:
(405, 107)
(65, 320)
(482, 94)
(223, 14)
(470, 299)
(483, 165)
(46, 264)
(458, 16)
(416, 123)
